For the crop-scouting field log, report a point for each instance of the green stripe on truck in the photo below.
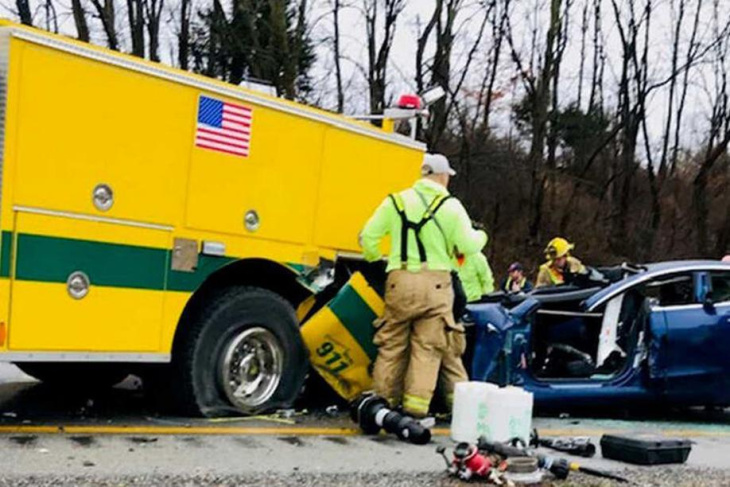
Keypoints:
(43, 258)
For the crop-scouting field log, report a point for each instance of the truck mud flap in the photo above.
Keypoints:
(339, 337)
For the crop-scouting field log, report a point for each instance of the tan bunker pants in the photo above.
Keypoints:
(416, 334)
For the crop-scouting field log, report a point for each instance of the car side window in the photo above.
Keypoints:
(674, 290)
(720, 286)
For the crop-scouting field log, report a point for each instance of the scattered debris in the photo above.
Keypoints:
(292, 440)
(338, 440)
(10, 414)
(24, 440)
(85, 441)
(89, 464)
(429, 422)
(332, 410)
(286, 413)
(142, 439)
(42, 450)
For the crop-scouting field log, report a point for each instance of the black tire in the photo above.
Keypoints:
(77, 376)
(211, 329)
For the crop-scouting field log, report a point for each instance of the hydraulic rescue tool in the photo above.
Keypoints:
(578, 446)
(559, 467)
(372, 413)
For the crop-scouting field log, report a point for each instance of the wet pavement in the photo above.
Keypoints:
(117, 437)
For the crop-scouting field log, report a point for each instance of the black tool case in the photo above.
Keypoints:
(645, 449)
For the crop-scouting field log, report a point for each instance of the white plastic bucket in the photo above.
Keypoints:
(469, 418)
(511, 414)
(499, 414)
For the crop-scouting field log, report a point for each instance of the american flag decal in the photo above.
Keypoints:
(224, 127)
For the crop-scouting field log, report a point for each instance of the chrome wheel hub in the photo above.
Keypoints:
(251, 367)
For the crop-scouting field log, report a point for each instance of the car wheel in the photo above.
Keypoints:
(240, 353)
(78, 376)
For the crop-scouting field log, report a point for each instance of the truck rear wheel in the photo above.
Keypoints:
(75, 375)
(241, 352)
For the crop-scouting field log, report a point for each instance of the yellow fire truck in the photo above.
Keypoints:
(153, 216)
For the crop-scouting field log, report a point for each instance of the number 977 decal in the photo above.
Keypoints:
(332, 356)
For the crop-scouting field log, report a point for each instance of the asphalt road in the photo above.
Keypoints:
(48, 437)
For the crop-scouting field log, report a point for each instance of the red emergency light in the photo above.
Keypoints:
(410, 102)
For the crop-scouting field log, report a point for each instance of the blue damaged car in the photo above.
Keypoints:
(624, 336)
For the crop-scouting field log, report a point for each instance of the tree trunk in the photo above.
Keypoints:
(183, 37)
(336, 7)
(23, 6)
(135, 14)
(722, 246)
(498, 33)
(82, 27)
(691, 52)
(699, 194)
(153, 14)
(379, 53)
(108, 18)
(540, 114)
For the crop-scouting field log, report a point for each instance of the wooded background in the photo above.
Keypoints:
(603, 121)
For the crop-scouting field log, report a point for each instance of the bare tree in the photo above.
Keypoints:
(633, 91)
(692, 53)
(445, 15)
(538, 105)
(24, 12)
(107, 16)
(422, 42)
(672, 85)
(51, 16)
(153, 15)
(599, 60)
(719, 134)
(337, 7)
(183, 36)
(135, 14)
(498, 24)
(583, 34)
(79, 14)
(379, 52)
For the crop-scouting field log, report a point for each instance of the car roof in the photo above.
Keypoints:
(652, 271)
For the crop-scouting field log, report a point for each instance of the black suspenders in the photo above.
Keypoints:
(407, 225)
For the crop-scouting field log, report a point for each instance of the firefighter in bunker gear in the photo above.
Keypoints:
(560, 264)
(478, 280)
(418, 326)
